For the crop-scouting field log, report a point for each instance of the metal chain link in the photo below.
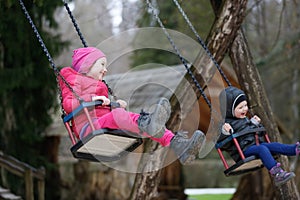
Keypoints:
(56, 71)
(201, 42)
(83, 40)
(215, 119)
(75, 24)
(179, 54)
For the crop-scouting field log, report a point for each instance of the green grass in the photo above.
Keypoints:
(210, 197)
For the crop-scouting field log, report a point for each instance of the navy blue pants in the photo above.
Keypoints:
(265, 150)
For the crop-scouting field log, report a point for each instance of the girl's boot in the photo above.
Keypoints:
(186, 148)
(154, 123)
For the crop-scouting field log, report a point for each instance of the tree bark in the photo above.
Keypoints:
(146, 181)
(251, 83)
(49, 149)
(222, 34)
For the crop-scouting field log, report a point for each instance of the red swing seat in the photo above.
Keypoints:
(244, 164)
(102, 145)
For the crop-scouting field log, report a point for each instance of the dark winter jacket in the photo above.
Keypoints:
(245, 127)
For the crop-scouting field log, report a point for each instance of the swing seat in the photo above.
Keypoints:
(105, 145)
(102, 145)
(244, 164)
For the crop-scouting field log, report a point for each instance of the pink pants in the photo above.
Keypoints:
(119, 118)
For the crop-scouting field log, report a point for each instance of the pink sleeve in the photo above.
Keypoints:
(69, 101)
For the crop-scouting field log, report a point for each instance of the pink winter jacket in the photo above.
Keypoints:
(85, 87)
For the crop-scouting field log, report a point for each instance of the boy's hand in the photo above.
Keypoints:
(255, 120)
(227, 129)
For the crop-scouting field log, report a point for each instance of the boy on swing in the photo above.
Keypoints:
(236, 121)
(86, 78)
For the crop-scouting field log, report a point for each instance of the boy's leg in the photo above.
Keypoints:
(279, 148)
(263, 153)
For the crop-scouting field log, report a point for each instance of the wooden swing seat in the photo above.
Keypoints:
(102, 145)
(105, 145)
(244, 166)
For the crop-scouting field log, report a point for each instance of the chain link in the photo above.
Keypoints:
(56, 71)
(75, 24)
(201, 42)
(179, 54)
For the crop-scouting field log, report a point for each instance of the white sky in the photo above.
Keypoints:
(115, 10)
(116, 13)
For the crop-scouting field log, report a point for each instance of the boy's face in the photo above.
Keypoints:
(241, 110)
(98, 70)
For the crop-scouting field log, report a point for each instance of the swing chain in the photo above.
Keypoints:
(201, 42)
(56, 71)
(215, 120)
(75, 24)
(83, 40)
(179, 54)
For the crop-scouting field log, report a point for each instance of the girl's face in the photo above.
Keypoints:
(98, 70)
(241, 110)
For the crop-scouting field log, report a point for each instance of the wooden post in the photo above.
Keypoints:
(41, 184)
(41, 189)
(28, 173)
(29, 184)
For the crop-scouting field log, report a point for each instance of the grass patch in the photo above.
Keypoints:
(210, 197)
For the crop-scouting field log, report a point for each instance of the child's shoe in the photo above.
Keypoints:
(186, 148)
(297, 148)
(280, 176)
(154, 123)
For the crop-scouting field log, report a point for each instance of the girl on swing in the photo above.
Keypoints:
(236, 121)
(86, 78)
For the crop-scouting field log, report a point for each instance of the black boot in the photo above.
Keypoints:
(186, 148)
(154, 123)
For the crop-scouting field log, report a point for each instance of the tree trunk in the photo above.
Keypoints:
(147, 180)
(49, 149)
(251, 83)
(222, 34)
